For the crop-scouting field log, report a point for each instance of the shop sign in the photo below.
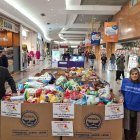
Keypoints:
(11, 109)
(1, 22)
(111, 32)
(4, 39)
(63, 110)
(62, 128)
(114, 112)
(95, 38)
(4, 24)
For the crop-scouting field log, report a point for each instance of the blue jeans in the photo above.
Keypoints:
(91, 62)
(103, 66)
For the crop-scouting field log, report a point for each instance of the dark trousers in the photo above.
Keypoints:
(118, 74)
(132, 133)
(122, 73)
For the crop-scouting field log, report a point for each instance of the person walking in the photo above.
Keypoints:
(120, 62)
(5, 76)
(130, 91)
(103, 59)
(92, 57)
(112, 61)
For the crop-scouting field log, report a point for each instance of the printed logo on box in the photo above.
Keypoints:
(93, 121)
(29, 118)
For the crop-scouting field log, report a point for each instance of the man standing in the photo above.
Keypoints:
(6, 77)
(120, 67)
(103, 59)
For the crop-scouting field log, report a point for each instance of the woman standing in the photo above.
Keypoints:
(131, 96)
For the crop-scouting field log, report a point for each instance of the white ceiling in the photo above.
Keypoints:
(68, 19)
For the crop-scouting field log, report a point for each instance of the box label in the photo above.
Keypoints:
(63, 110)
(62, 128)
(90, 135)
(11, 109)
(114, 111)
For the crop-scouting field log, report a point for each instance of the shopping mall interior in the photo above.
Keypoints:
(70, 69)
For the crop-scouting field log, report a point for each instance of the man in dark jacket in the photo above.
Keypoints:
(4, 59)
(6, 77)
(120, 62)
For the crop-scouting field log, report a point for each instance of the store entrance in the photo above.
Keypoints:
(9, 45)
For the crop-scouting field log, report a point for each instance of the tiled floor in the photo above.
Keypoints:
(106, 75)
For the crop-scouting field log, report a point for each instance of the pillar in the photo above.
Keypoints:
(110, 48)
(97, 52)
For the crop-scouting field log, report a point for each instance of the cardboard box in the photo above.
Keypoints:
(35, 124)
(89, 124)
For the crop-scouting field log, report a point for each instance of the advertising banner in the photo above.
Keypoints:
(95, 38)
(114, 111)
(11, 109)
(63, 110)
(87, 41)
(62, 128)
(111, 32)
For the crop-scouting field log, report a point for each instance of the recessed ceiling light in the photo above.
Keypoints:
(43, 14)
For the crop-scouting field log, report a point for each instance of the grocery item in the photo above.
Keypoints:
(78, 86)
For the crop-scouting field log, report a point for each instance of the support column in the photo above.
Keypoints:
(110, 48)
(97, 52)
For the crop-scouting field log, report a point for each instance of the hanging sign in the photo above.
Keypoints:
(95, 38)
(11, 109)
(110, 32)
(62, 128)
(63, 110)
(114, 111)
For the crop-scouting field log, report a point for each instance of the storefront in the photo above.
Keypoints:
(28, 47)
(10, 42)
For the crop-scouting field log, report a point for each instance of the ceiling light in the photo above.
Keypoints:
(129, 29)
(28, 15)
(43, 14)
